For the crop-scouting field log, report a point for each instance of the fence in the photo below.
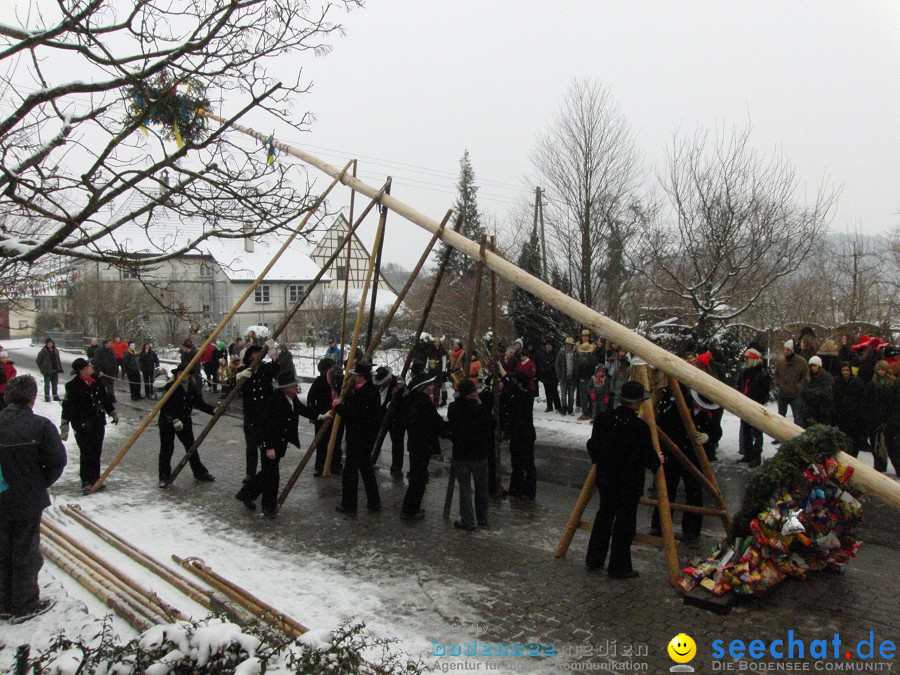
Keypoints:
(70, 340)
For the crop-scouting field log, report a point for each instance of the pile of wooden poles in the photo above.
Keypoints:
(63, 542)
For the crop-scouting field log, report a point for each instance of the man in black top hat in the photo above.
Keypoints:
(425, 426)
(319, 399)
(281, 417)
(621, 447)
(360, 409)
(175, 420)
(85, 407)
(254, 395)
(387, 384)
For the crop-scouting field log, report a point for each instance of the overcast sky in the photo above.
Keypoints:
(413, 84)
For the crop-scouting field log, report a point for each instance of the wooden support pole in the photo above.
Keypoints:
(648, 414)
(426, 311)
(864, 476)
(688, 508)
(374, 298)
(389, 413)
(336, 424)
(323, 431)
(470, 338)
(679, 455)
(260, 355)
(215, 333)
(495, 377)
(584, 497)
(347, 274)
(705, 466)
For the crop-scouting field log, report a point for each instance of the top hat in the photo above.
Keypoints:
(362, 368)
(285, 379)
(702, 401)
(633, 392)
(382, 375)
(79, 364)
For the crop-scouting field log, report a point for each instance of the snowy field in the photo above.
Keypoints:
(320, 596)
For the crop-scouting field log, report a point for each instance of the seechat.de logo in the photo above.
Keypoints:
(682, 649)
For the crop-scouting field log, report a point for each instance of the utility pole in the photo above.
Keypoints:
(854, 281)
(539, 218)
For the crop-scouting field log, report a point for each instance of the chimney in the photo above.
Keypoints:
(248, 242)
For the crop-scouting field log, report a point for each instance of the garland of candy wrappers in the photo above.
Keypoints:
(175, 112)
(798, 517)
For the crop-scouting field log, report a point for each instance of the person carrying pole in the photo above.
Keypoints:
(281, 416)
(360, 408)
(85, 407)
(425, 426)
(255, 394)
(471, 430)
(175, 420)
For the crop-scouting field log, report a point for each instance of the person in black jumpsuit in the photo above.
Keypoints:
(360, 410)
(175, 420)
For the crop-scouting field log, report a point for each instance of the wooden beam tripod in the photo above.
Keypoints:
(662, 502)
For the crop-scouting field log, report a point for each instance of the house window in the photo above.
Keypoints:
(127, 274)
(206, 271)
(207, 311)
(262, 293)
(295, 292)
(340, 272)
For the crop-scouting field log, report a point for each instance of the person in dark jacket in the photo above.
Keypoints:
(471, 429)
(388, 388)
(829, 355)
(254, 394)
(816, 393)
(280, 427)
(319, 399)
(754, 382)
(106, 368)
(437, 365)
(175, 420)
(32, 458)
(50, 365)
(85, 408)
(546, 368)
(360, 410)
(669, 421)
(425, 426)
(849, 407)
(286, 360)
(92, 349)
(132, 368)
(621, 447)
(883, 417)
(519, 403)
(148, 362)
(7, 373)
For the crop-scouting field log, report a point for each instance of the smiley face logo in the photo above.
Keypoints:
(682, 648)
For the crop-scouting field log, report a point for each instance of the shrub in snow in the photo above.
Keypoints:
(214, 645)
(262, 332)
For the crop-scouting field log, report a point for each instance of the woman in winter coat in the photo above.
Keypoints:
(600, 391)
(148, 362)
(49, 364)
(816, 394)
(849, 406)
(831, 360)
(883, 416)
(754, 383)
(455, 362)
(132, 368)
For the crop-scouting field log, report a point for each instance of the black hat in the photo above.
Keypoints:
(324, 365)
(362, 368)
(249, 352)
(79, 364)
(702, 401)
(415, 386)
(522, 378)
(417, 368)
(382, 375)
(807, 330)
(466, 387)
(633, 392)
(285, 379)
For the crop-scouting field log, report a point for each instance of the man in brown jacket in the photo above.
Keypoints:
(790, 373)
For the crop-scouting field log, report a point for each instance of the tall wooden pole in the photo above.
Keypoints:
(864, 476)
(376, 281)
(495, 378)
(347, 275)
(426, 311)
(336, 424)
(259, 356)
(224, 322)
(470, 338)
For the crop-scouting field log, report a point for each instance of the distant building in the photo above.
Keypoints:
(359, 257)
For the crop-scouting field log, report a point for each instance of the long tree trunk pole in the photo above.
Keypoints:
(392, 407)
(360, 312)
(495, 377)
(648, 414)
(347, 273)
(584, 497)
(224, 322)
(375, 282)
(260, 355)
(470, 338)
(778, 427)
(426, 311)
(699, 450)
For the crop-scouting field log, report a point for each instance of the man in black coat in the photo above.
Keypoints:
(387, 384)
(254, 395)
(106, 368)
(621, 447)
(425, 425)
(471, 427)
(48, 362)
(360, 409)
(175, 420)
(849, 407)
(32, 458)
(546, 369)
(282, 414)
(519, 404)
(754, 382)
(319, 400)
(85, 408)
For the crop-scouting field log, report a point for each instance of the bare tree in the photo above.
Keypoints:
(589, 168)
(99, 98)
(734, 226)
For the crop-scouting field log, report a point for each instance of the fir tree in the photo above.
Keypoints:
(466, 204)
(534, 320)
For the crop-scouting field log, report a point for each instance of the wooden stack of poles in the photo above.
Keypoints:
(140, 606)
